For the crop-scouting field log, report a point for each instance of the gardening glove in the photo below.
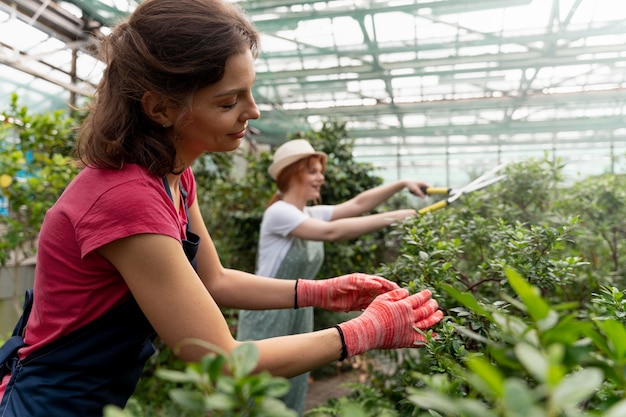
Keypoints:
(350, 292)
(390, 322)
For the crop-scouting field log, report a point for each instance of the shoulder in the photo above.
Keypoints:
(322, 212)
(130, 193)
(281, 218)
(131, 182)
(282, 208)
(103, 205)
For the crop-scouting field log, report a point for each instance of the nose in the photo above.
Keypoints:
(252, 111)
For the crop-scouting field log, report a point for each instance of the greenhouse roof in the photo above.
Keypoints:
(432, 89)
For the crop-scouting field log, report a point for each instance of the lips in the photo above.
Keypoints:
(240, 134)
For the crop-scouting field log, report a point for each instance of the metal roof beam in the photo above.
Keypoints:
(50, 18)
(573, 124)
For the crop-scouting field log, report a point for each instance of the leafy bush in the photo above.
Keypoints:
(549, 344)
(223, 386)
(36, 157)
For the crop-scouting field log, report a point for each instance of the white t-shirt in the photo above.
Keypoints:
(274, 241)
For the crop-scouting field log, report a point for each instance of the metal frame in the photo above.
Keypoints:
(474, 115)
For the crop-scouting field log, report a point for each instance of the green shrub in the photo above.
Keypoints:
(35, 154)
(220, 385)
(549, 344)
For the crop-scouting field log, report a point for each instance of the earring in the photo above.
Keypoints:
(166, 125)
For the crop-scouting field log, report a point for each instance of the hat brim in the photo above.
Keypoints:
(276, 167)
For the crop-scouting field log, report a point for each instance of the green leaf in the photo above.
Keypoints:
(487, 373)
(429, 400)
(220, 401)
(516, 327)
(533, 360)
(556, 369)
(616, 333)
(243, 359)
(577, 387)
(227, 385)
(214, 366)
(352, 410)
(192, 400)
(177, 376)
(466, 299)
(469, 333)
(275, 408)
(518, 400)
(114, 411)
(277, 387)
(537, 306)
(616, 410)
(548, 322)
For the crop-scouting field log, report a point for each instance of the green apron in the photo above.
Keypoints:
(303, 260)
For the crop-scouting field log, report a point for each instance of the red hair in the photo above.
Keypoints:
(293, 172)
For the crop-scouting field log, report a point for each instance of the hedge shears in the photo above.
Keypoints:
(483, 181)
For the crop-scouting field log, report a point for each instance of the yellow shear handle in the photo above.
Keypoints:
(436, 190)
(433, 207)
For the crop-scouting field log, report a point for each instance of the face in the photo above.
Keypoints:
(311, 179)
(220, 112)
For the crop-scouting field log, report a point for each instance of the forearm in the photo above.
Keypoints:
(295, 354)
(238, 289)
(370, 199)
(353, 227)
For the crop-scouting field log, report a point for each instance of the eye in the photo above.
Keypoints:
(229, 106)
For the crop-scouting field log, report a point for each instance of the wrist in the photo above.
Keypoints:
(295, 297)
(344, 347)
(307, 293)
(357, 335)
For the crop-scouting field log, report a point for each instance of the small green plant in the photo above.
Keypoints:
(609, 303)
(539, 361)
(222, 385)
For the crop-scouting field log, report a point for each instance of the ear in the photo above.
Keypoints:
(154, 105)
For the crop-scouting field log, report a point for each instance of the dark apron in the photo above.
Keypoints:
(78, 374)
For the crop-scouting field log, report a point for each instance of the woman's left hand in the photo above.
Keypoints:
(350, 292)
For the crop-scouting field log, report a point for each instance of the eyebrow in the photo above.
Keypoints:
(232, 92)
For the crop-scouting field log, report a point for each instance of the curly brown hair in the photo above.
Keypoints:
(173, 48)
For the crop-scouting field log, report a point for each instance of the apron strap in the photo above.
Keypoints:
(8, 351)
(190, 244)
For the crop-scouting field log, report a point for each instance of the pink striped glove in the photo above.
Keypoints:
(389, 322)
(350, 292)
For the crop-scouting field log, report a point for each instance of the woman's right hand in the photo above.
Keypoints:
(390, 322)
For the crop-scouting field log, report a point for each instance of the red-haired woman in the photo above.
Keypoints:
(292, 236)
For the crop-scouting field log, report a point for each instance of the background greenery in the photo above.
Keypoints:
(529, 272)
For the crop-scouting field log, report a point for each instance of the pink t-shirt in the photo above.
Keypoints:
(73, 284)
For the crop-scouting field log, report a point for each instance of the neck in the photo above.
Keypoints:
(295, 200)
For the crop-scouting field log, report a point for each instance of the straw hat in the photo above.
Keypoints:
(290, 152)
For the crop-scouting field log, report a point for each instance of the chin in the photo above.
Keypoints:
(229, 146)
